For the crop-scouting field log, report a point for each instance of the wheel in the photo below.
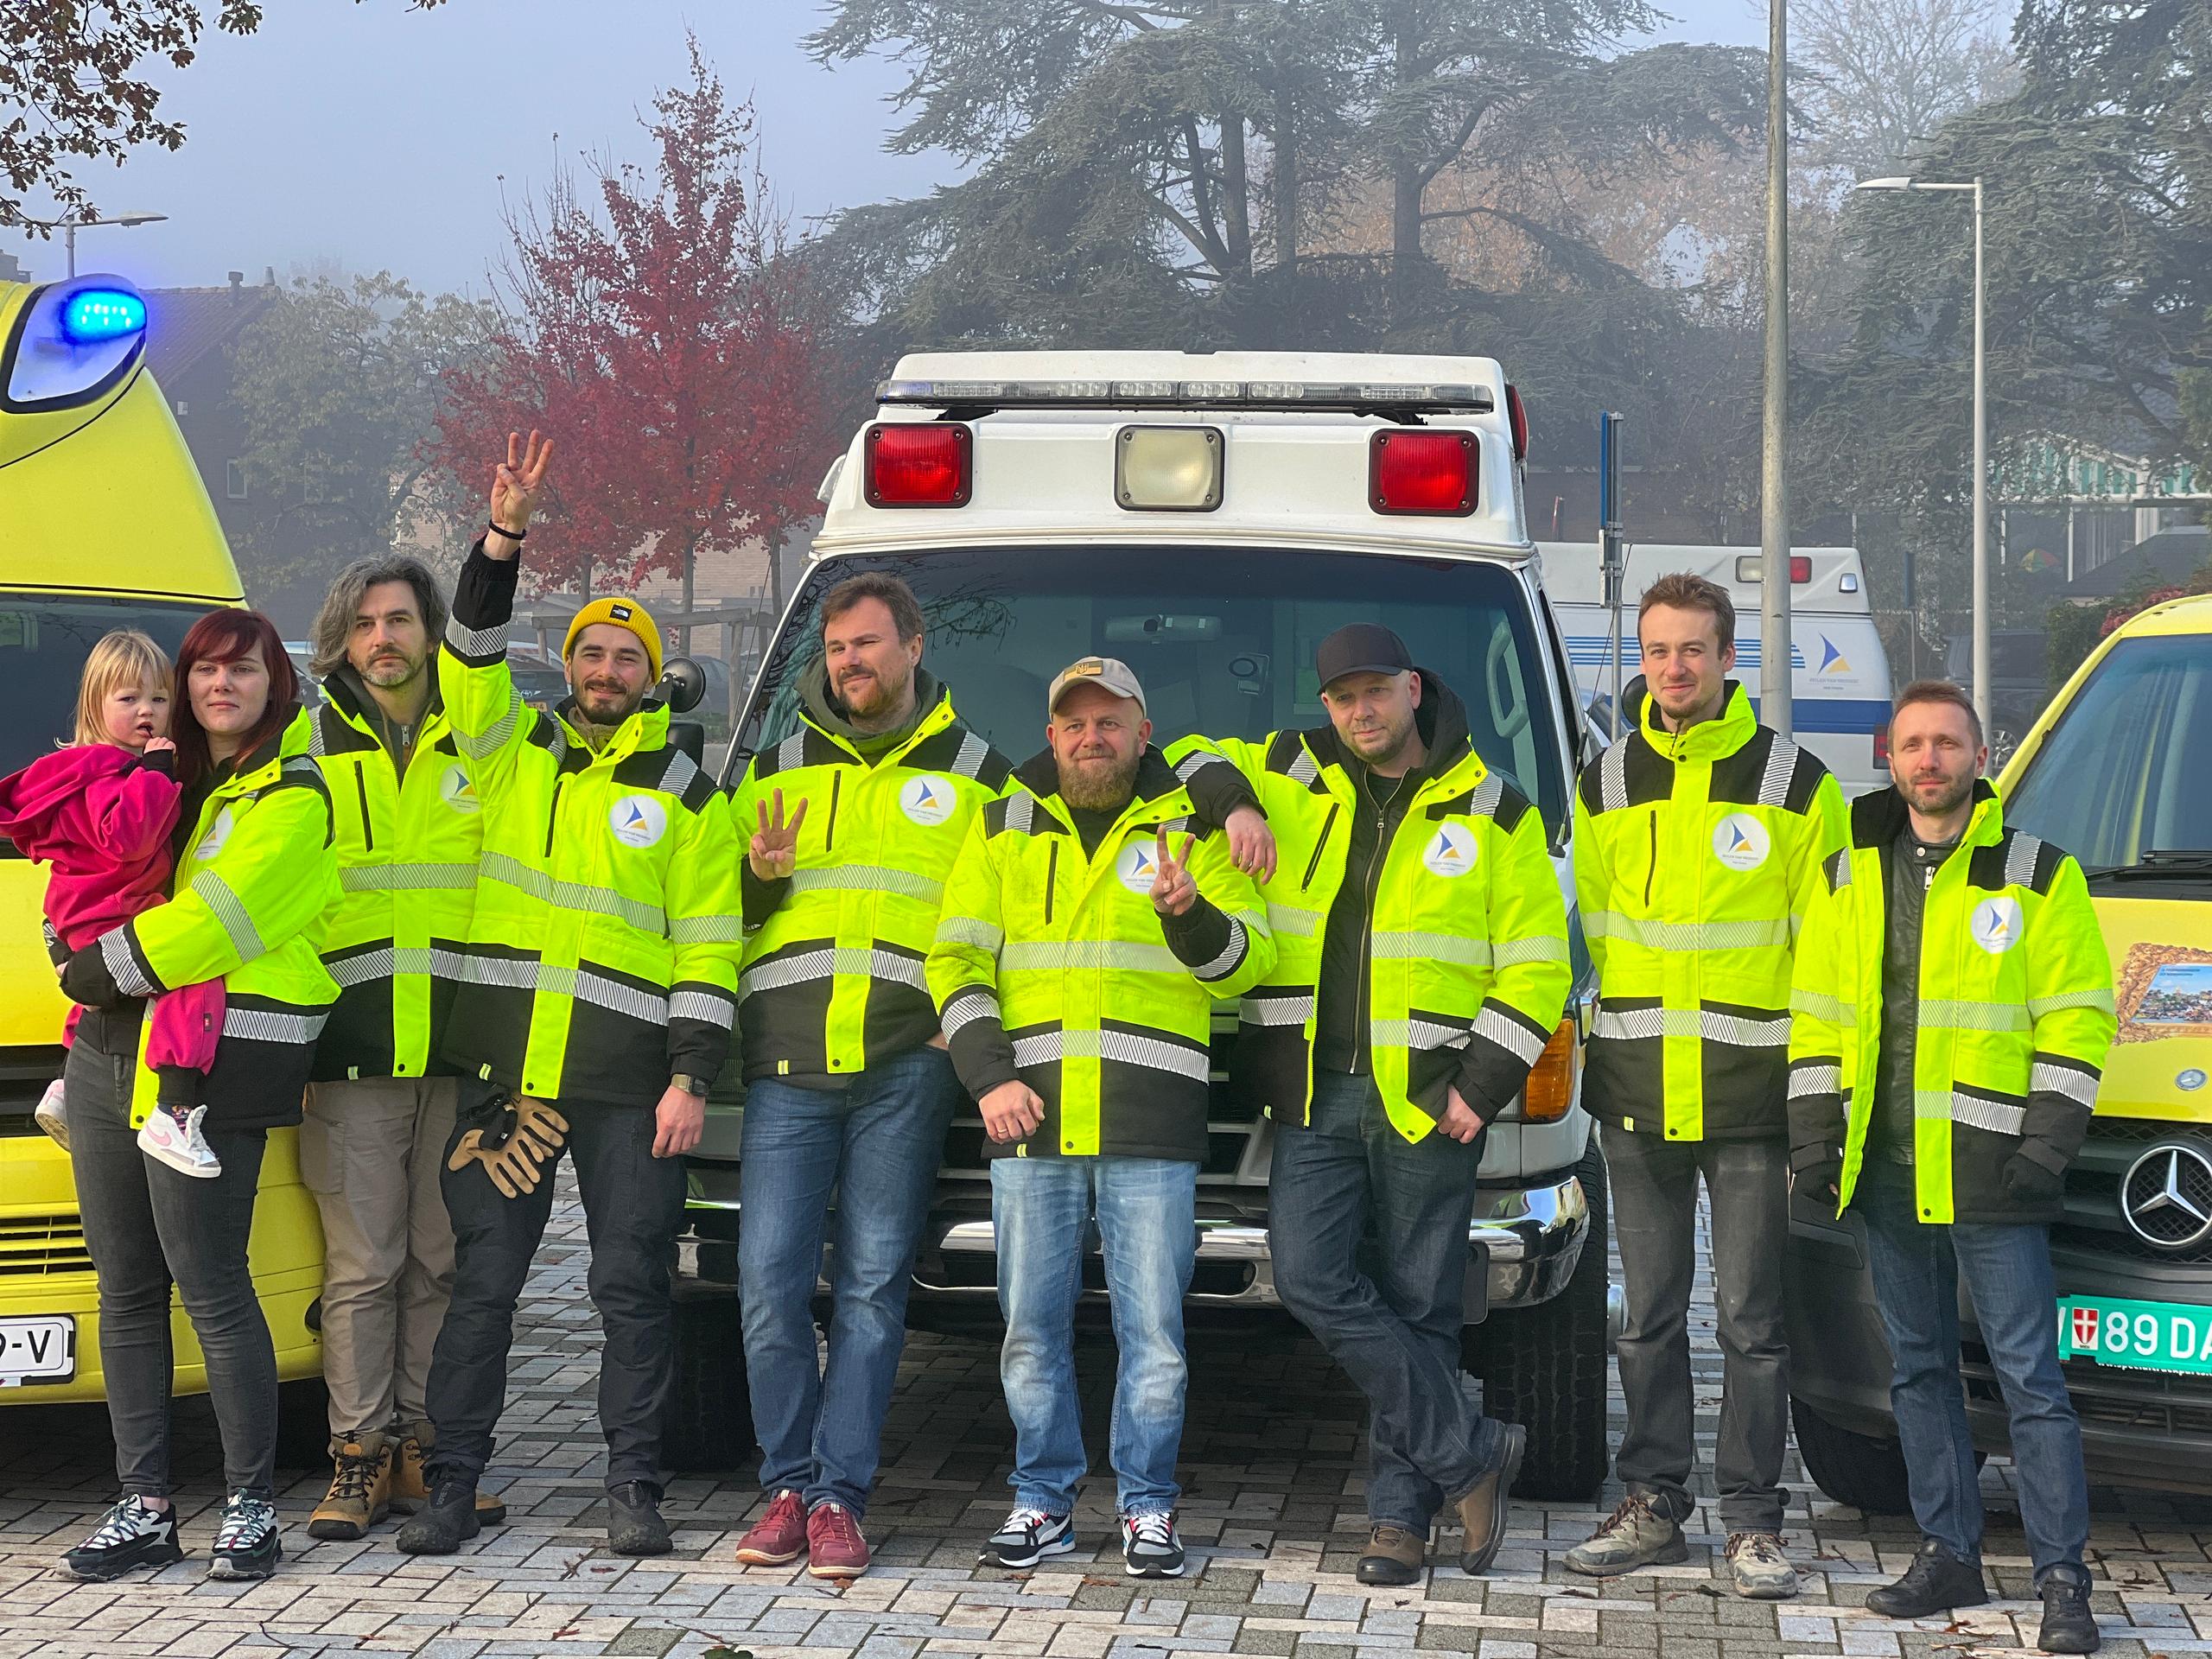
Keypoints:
(303, 1424)
(1850, 1467)
(1544, 1367)
(708, 1429)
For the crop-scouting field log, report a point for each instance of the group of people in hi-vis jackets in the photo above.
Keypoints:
(478, 937)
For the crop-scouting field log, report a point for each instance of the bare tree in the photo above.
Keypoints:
(1883, 75)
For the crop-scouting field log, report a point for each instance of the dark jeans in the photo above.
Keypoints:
(148, 1225)
(634, 1205)
(2008, 1273)
(1655, 1221)
(875, 1142)
(1397, 1333)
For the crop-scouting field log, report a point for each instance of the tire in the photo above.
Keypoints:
(1544, 1367)
(1850, 1467)
(303, 1425)
(708, 1428)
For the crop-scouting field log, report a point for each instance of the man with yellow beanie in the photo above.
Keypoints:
(598, 993)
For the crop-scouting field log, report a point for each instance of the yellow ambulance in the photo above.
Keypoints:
(103, 524)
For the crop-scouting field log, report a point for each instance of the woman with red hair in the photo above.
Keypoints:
(255, 871)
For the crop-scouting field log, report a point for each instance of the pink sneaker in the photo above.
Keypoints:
(778, 1538)
(177, 1141)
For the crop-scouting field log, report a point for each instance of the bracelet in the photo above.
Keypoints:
(494, 527)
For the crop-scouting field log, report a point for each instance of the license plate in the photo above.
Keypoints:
(2144, 1336)
(37, 1350)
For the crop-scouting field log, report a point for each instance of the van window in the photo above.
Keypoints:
(2127, 769)
(43, 645)
(1221, 639)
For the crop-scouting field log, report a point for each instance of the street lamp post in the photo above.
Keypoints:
(70, 227)
(1980, 438)
(1777, 684)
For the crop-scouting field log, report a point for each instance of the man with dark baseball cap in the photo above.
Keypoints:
(1421, 966)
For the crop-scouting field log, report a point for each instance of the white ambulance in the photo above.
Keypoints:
(1208, 518)
(1839, 672)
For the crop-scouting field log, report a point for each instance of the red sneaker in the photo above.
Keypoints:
(778, 1538)
(834, 1545)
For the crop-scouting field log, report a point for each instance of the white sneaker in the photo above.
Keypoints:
(49, 1114)
(179, 1143)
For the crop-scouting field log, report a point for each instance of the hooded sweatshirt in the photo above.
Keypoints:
(102, 817)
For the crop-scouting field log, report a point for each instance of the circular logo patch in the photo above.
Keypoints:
(211, 844)
(457, 791)
(1138, 864)
(1739, 841)
(1450, 851)
(1996, 924)
(2191, 1080)
(638, 820)
(928, 799)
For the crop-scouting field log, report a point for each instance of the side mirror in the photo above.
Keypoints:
(682, 683)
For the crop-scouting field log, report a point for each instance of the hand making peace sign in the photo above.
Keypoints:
(1173, 891)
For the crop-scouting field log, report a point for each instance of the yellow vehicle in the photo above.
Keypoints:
(2118, 771)
(103, 523)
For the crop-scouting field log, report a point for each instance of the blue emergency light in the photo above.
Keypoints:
(94, 315)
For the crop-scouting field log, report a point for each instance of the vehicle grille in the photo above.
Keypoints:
(43, 1244)
(24, 1073)
(2161, 1403)
(2094, 1220)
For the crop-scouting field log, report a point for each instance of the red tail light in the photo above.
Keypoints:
(1432, 472)
(1800, 567)
(1882, 745)
(918, 464)
(1517, 413)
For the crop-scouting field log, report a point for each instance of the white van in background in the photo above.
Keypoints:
(1839, 673)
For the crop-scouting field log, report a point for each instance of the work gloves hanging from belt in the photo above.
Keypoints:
(521, 1137)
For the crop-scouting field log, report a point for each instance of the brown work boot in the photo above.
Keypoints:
(1393, 1555)
(1484, 1506)
(360, 1489)
(410, 1484)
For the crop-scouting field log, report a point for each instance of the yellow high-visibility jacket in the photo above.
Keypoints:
(602, 951)
(1696, 854)
(2015, 1013)
(1052, 966)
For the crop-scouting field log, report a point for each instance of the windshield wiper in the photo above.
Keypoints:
(2158, 863)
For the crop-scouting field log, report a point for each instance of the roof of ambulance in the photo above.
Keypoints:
(1337, 366)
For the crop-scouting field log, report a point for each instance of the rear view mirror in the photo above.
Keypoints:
(1160, 630)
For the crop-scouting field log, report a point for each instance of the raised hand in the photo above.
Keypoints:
(1173, 891)
(515, 481)
(774, 852)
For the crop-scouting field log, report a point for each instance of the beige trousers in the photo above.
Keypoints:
(370, 1152)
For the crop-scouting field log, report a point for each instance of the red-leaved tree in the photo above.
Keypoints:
(665, 338)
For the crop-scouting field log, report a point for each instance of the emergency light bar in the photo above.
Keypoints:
(1337, 395)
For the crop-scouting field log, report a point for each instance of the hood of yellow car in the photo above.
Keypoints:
(2161, 1061)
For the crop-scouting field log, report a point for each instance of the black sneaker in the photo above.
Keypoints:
(132, 1535)
(1150, 1548)
(1026, 1538)
(2068, 1626)
(246, 1545)
(1935, 1582)
(633, 1523)
(445, 1523)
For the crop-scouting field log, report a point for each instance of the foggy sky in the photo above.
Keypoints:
(374, 138)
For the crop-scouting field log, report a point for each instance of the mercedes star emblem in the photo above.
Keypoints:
(2167, 1196)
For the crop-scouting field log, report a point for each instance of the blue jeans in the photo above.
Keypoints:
(1347, 1175)
(1148, 1224)
(2008, 1274)
(875, 1143)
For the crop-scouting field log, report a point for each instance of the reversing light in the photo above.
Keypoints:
(1749, 566)
(918, 464)
(1550, 1089)
(1168, 468)
(1422, 472)
(94, 314)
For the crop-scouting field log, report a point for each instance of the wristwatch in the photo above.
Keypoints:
(689, 1085)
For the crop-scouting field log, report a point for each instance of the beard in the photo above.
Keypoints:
(607, 702)
(1099, 783)
(1948, 797)
(869, 697)
(388, 670)
(1381, 748)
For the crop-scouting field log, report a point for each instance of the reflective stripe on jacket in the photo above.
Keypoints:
(1467, 961)
(408, 849)
(1059, 960)
(1695, 855)
(832, 978)
(2015, 1013)
(602, 951)
(256, 875)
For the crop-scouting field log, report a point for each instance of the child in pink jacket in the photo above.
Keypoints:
(101, 811)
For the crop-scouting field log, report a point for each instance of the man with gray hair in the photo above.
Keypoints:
(409, 830)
